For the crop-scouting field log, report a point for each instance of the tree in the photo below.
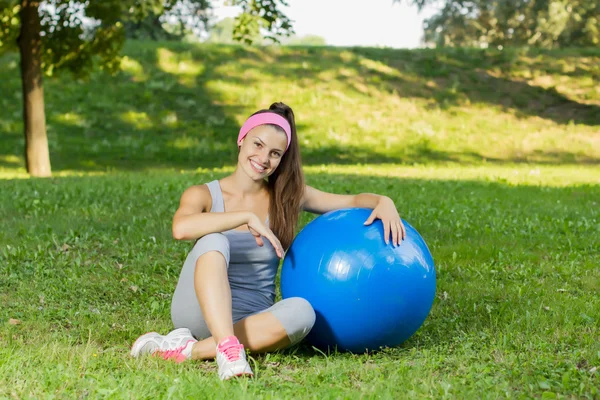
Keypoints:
(261, 17)
(222, 32)
(177, 20)
(539, 23)
(78, 35)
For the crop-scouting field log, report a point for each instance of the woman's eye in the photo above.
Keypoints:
(257, 144)
(276, 155)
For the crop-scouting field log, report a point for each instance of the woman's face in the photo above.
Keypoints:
(261, 151)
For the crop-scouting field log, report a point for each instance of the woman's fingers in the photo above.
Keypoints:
(267, 233)
(395, 231)
(371, 218)
(386, 232)
(401, 232)
(257, 237)
(398, 232)
(275, 242)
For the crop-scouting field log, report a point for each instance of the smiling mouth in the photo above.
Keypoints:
(257, 167)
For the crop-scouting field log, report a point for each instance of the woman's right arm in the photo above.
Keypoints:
(193, 218)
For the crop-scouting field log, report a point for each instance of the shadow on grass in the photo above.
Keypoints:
(460, 76)
(165, 117)
(449, 77)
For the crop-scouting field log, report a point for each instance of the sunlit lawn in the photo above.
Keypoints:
(178, 106)
(493, 157)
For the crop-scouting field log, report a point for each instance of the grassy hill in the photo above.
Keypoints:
(178, 106)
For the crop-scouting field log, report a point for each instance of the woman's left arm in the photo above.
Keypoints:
(383, 207)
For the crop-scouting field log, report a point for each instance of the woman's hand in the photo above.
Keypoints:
(259, 229)
(387, 213)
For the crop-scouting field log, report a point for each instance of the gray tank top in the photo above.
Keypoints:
(252, 269)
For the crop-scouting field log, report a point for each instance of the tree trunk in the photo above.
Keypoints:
(37, 155)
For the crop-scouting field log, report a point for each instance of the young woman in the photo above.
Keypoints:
(242, 224)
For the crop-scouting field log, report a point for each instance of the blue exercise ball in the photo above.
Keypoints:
(366, 294)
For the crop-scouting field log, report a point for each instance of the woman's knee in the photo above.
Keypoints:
(297, 317)
(213, 242)
(185, 309)
(305, 311)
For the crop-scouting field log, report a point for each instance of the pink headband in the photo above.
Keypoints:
(263, 119)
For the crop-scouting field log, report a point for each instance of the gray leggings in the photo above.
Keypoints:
(295, 314)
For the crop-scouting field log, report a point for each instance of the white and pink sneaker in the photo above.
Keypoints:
(231, 359)
(176, 345)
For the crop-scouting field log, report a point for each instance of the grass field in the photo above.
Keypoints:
(493, 156)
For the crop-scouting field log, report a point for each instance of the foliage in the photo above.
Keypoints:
(178, 19)
(9, 24)
(76, 33)
(222, 32)
(539, 23)
(70, 44)
(261, 16)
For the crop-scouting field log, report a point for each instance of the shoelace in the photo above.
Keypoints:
(232, 352)
(174, 353)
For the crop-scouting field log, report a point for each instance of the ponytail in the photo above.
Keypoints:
(286, 184)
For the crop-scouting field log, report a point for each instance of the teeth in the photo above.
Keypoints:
(258, 167)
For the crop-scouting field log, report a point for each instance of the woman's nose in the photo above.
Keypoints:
(264, 157)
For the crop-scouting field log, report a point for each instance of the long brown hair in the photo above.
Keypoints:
(286, 184)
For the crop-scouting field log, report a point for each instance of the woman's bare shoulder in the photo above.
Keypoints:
(197, 197)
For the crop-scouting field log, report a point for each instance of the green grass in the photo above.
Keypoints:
(492, 156)
(177, 106)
